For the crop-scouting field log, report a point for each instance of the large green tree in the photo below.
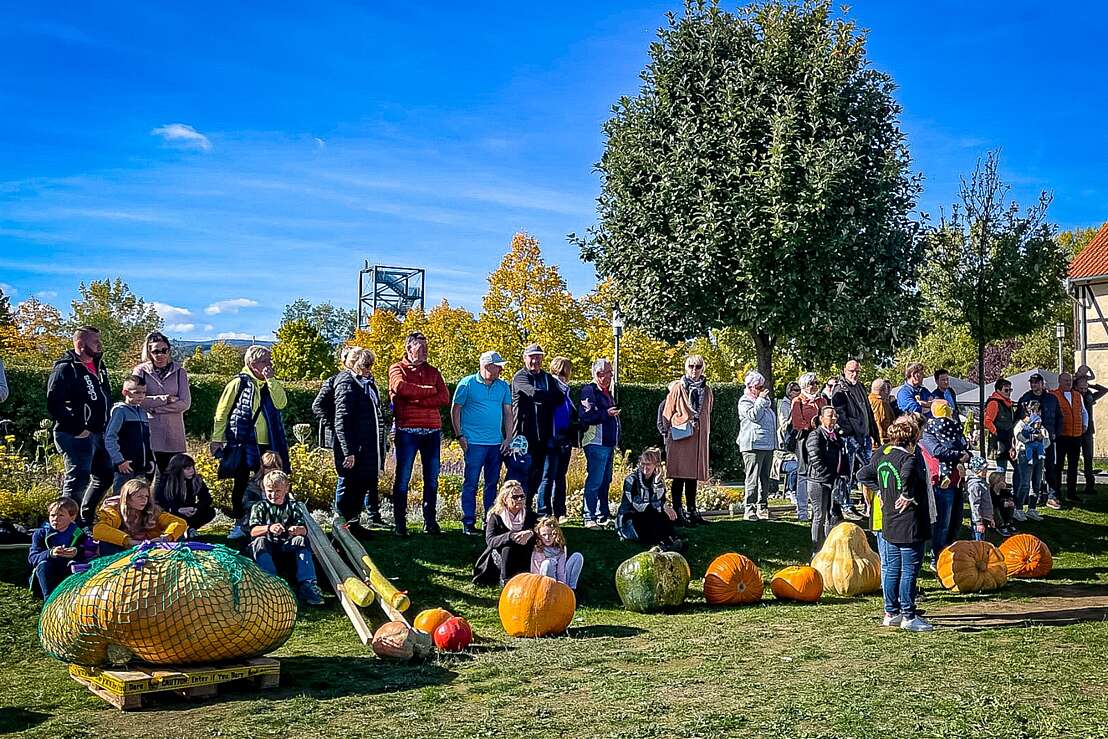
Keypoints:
(993, 267)
(123, 318)
(760, 180)
(334, 323)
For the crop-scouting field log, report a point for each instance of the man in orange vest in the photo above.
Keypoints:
(1074, 421)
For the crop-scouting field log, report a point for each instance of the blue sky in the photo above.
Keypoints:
(225, 161)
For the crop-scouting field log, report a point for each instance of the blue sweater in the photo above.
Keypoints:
(600, 428)
(46, 538)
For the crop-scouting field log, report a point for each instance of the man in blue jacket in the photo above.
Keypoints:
(1051, 415)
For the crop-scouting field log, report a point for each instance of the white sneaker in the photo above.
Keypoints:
(802, 518)
(891, 620)
(750, 515)
(591, 525)
(1018, 515)
(916, 624)
(763, 514)
(1033, 515)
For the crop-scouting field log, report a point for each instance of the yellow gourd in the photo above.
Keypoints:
(846, 562)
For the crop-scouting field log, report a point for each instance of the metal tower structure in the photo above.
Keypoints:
(396, 289)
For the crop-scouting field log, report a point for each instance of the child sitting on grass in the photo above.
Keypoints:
(1004, 503)
(133, 517)
(255, 491)
(549, 557)
(276, 527)
(980, 498)
(54, 545)
(182, 492)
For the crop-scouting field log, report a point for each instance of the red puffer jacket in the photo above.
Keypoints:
(417, 393)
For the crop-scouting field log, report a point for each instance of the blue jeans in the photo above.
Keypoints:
(940, 530)
(598, 479)
(552, 489)
(858, 452)
(50, 574)
(407, 444)
(900, 565)
(264, 549)
(1030, 482)
(790, 469)
(478, 458)
(88, 471)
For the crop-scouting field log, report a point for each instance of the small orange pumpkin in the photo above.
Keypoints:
(801, 583)
(972, 566)
(1026, 556)
(536, 605)
(732, 579)
(431, 619)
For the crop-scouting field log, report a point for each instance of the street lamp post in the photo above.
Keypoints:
(1060, 334)
(617, 333)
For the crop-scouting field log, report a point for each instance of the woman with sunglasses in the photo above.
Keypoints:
(167, 398)
(687, 418)
(509, 537)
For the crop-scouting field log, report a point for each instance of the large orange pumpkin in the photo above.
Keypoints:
(431, 619)
(732, 579)
(972, 566)
(801, 583)
(1026, 556)
(536, 605)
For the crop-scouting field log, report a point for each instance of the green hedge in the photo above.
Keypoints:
(27, 407)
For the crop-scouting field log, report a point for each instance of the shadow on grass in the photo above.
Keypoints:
(19, 719)
(604, 631)
(316, 676)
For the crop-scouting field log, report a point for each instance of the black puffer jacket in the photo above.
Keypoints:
(357, 423)
(824, 456)
(77, 399)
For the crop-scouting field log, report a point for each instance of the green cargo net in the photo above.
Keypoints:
(167, 604)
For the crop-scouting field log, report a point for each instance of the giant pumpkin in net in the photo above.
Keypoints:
(846, 562)
(168, 604)
(732, 579)
(971, 566)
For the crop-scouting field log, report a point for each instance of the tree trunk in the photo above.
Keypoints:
(763, 345)
(981, 392)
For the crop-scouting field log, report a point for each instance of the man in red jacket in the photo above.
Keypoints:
(417, 393)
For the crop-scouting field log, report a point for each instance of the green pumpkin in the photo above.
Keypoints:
(652, 581)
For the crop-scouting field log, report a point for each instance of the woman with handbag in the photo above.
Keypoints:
(687, 415)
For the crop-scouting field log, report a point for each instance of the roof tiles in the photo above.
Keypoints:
(1092, 261)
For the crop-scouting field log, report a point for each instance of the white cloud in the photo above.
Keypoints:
(320, 143)
(233, 335)
(229, 306)
(181, 328)
(46, 294)
(182, 135)
(171, 313)
(8, 289)
(208, 327)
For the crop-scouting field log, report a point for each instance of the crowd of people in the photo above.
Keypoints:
(825, 440)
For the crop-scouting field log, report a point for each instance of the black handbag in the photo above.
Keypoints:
(788, 439)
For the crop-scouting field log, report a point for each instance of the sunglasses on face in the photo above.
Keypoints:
(159, 352)
(694, 366)
(518, 497)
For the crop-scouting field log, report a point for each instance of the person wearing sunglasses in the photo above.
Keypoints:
(687, 419)
(167, 398)
(509, 537)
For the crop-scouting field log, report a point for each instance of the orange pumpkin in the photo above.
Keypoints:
(731, 580)
(801, 583)
(536, 605)
(431, 619)
(1026, 556)
(972, 566)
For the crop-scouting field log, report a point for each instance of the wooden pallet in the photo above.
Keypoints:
(129, 690)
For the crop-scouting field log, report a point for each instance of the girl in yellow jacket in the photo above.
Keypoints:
(133, 517)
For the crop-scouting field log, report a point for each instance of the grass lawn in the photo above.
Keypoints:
(780, 670)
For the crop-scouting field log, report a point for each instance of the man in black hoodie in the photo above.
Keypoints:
(851, 401)
(78, 398)
(534, 395)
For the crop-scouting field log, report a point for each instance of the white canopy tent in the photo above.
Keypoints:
(957, 383)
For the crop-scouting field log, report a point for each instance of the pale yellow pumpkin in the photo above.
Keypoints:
(846, 562)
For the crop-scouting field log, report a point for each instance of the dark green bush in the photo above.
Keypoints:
(27, 407)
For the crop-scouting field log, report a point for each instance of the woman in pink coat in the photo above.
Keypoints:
(167, 398)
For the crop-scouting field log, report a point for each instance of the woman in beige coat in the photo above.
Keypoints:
(687, 419)
(167, 398)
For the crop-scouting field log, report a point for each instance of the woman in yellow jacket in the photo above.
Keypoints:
(133, 517)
